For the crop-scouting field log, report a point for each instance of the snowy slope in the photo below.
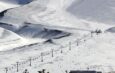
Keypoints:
(6, 4)
(112, 30)
(94, 10)
(51, 14)
(60, 12)
(91, 55)
(96, 53)
(45, 10)
(8, 39)
(19, 23)
(31, 32)
(43, 20)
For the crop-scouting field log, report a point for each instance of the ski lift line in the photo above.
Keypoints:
(49, 52)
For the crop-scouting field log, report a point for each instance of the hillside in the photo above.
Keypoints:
(59, 17)
(34, 27)
(102, 11)
(6, 4)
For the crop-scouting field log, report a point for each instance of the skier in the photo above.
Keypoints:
(43, 71)
(39, 71)
(98, 31)
(66, 71)
(26, 71)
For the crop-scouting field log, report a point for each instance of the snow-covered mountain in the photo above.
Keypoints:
(29, 21)
(54, 18)
(33, 26)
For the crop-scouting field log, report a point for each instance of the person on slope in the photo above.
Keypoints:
(26, 71)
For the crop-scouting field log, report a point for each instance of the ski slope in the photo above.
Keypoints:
(91, 50)
(42, 25)
(90, 55)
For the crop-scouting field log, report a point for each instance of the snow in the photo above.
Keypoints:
(91, 50)
(94, 10)
(25, 32)
(4, 6)
(44, 15)
(60, 4)
(22, 38)
(10, 40)
(112, 30)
